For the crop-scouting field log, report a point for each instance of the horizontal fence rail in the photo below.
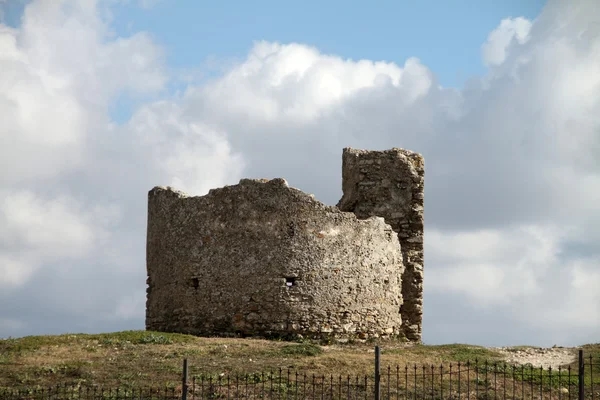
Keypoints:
(64, 392)
(470, 380)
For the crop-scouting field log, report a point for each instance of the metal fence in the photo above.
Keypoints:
(471, 380)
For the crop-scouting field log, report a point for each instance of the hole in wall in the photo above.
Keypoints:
(290, 281)
(291, 230)
(195, 283)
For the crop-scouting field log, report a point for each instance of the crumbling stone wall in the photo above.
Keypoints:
(389, 184)
(263, 258)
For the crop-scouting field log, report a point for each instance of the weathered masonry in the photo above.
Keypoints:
(262, 258)
(390, 184)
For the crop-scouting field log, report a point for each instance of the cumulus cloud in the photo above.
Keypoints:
(512, 165)
(71, 179)
(500, 40)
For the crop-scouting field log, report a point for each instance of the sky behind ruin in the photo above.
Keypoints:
(101, 101)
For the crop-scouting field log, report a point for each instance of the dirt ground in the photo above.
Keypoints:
(537, 356)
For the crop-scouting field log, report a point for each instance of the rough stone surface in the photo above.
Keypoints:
(389, 184)
(263, 258)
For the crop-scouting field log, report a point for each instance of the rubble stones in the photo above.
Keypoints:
(537, 356)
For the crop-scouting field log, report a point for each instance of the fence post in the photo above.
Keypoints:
(581, 375)
(377, 373)
(184, 382)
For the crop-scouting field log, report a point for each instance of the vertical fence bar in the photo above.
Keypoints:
(485, 380)
(441, 381)
(288, 384)
(406, 382)
(459, 381)
(377, 372)
(450, 381)
(504, 382)
(304, 386)
(219, 389)
(415, 392)
(388, 384)
(469, 378)
(476, 380)
(184, 380)
(279, 388)
(514, 381)
(202, 386)
(397, 382)
(522, 381)
(432, 379)
(592, 376)
(550, 380)
(569, 384)
(424, 382)
(581, 376)
(541, 380)
(255, 384)
(531, 380)
(495, 380)
(348, 392)
(560, 383)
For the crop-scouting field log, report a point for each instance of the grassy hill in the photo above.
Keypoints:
(141, 358)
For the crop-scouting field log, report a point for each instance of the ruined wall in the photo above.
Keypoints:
(263, 258)
(389, 184)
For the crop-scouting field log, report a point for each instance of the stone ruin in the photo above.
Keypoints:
(262, 258)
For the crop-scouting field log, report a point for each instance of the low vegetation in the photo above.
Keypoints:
(141, 358)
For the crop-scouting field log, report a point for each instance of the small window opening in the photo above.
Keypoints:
(195, 283)
(290, 281)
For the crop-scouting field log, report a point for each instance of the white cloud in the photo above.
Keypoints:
(74, 184)
(493, 266)
(191, 155)
(14, 273)
(511, 181)
(297, 82)
(40, 231)
(49, 224)
(499, 41)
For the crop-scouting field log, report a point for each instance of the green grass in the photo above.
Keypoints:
(32, 343)
(452, 352)
(305, 349)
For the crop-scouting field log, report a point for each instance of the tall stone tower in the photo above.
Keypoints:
(389, 184)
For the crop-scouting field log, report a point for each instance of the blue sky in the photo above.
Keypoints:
(102, 100)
